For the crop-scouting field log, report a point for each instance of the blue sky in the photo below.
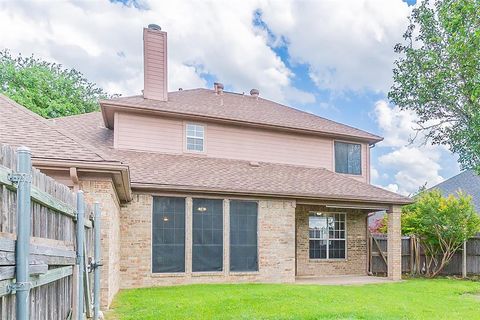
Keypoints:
(331, 58)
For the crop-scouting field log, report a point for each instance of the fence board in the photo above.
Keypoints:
(52, 243)
(453, 268)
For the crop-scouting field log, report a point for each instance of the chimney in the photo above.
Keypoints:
(155, 63)
(254, 93)
(218, 88)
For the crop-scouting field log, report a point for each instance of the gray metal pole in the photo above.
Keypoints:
(24, 179)
(80, 256)
(96, 275)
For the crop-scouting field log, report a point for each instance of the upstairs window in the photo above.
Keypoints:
(348, 158)
(195, 137)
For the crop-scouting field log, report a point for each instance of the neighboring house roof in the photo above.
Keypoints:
(20, 126)
(206, 174)
(467, 181)
(236, 107)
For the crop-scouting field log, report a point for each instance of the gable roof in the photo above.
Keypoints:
(467, 181)
(20, 126)
(234, 107)
(205, 174)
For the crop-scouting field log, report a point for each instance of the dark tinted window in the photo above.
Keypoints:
(243, 236)
(168, 234)
(348, 158)
(207, 251)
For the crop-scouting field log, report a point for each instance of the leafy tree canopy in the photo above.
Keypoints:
(441, 224)
(46, 88)
(438, 75)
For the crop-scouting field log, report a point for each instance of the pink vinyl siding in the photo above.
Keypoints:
(167, 135)
(148, 133)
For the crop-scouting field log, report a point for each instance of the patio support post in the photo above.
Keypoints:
(394, 243)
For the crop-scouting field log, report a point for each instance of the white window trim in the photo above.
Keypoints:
(185, 136)
(311, 214)
(362, 174)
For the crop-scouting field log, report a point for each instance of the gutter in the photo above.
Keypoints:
(115, 168)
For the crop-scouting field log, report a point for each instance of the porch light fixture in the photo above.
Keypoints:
(318, 213)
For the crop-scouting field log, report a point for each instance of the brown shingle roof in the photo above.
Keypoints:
(238, 107)
(177, 172)
(20, 126)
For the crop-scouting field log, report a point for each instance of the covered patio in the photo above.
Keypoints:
(331, 242)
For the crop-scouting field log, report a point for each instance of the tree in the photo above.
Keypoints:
(438, 75)
(442, 225)
(47, 88)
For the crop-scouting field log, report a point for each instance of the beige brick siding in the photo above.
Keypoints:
(103, 191)
(356, 259)
(394, 243)
(276, 246)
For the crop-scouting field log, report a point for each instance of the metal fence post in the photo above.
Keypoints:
(23, 177)
(96, 275)
(80, 255)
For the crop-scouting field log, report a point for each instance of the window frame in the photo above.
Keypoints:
(229, 238)
(327, 214)
(166, 274)
(335, 161)
(222, 271)
(186, 136)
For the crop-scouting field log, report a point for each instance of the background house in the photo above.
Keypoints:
(212, 186)
(467, 181)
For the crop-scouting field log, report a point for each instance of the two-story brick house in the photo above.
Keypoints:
(224, 187)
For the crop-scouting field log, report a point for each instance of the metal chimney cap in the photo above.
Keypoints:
(218, 85)
(154, 26)
(254, 92)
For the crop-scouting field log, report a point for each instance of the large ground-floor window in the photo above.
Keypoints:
(168, 234)
(327, 235)
(207, 250)
(243, 236)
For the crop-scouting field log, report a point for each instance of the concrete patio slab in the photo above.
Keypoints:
(342, 280)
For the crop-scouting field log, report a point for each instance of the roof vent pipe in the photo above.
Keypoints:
(254, 93)
(218, 88)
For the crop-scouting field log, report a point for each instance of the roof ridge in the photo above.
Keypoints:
(46, 122)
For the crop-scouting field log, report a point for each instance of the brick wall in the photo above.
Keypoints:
(103, 191)
(356, 260)
(276, 246)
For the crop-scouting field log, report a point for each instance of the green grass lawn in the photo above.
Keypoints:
(411, 299)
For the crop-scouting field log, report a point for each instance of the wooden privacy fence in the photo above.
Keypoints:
(377, 263)
(49, 242)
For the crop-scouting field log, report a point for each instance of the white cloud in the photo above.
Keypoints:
(348, 45)
(103, 40)
(397, 125)
(412, 165)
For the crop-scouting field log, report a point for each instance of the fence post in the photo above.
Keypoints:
(464, 259)
(96, 275)
(80, 255)
(23, 177)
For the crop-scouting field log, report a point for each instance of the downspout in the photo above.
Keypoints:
(74, 178)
